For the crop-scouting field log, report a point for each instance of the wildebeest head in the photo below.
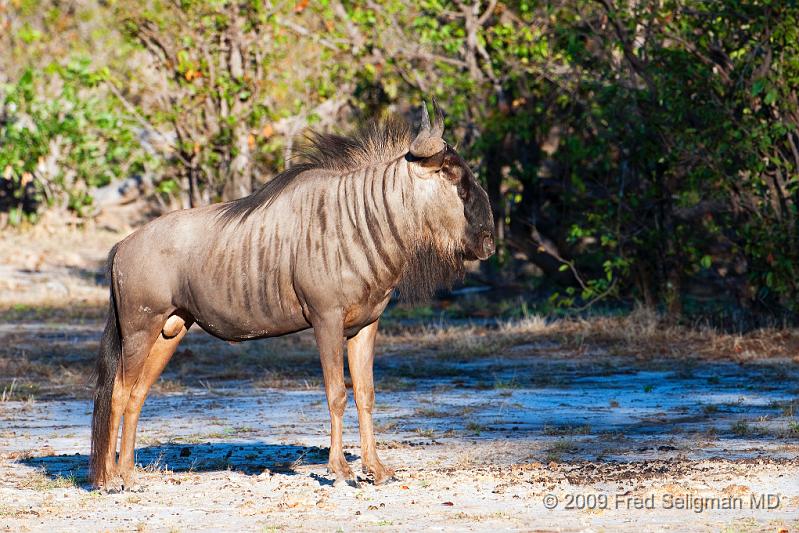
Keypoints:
(455, 203)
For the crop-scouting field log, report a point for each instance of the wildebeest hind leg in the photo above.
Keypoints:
(108, 478)
(135, 348)
(161, 352)
(360, 354)
(330, 340)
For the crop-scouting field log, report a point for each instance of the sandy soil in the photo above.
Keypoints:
(599, 444)
(54, 267)
(511, 427)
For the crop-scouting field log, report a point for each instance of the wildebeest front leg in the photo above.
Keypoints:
(360, 354)
(329, 332)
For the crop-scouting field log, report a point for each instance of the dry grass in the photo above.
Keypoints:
(642, 334)
(555, 452)
(561, 431)
(39, 481)
(464, 341)
(38, 363)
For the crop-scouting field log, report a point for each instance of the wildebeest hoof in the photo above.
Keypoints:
(380, 474)
(129, 482)
(385, 479)
(341, 470)
(112, 486)
(134, 487)
(345, 482)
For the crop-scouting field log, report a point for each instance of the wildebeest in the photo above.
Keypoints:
(322, 245)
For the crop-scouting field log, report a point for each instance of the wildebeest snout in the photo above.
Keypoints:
(487, 244)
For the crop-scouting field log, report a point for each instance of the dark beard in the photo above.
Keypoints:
(427, 270)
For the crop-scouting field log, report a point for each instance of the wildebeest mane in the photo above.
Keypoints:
(373, 143)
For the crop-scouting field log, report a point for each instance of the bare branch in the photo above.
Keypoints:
(352, 29)
(305, 32)
(143, 121)
(634, 61)
(487, 13)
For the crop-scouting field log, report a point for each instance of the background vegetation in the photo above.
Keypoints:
(633, 150)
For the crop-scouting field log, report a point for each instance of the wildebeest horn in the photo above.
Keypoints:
(425, 118)
(438, 122)
(428, 141)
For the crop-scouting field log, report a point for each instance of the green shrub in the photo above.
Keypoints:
(61, 135)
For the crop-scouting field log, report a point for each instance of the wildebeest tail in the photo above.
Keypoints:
(105, 373)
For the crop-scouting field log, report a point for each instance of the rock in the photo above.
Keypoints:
(118, 192)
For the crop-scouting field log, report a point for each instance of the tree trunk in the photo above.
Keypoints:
(493, 166)
(239, 182)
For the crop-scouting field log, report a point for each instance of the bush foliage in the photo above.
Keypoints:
(58, 142)
(644, 150)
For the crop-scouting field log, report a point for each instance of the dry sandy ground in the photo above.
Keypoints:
(510, 429)
(595, 447)
(54, 267)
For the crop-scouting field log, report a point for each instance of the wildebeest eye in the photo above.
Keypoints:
(451, 173)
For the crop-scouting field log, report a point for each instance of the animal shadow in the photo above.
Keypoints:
(248, 457)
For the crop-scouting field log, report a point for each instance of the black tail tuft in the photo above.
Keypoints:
(105, 373)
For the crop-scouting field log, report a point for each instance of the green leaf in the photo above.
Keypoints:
(771, 97)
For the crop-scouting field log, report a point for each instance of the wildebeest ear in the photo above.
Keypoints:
(429, 141)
